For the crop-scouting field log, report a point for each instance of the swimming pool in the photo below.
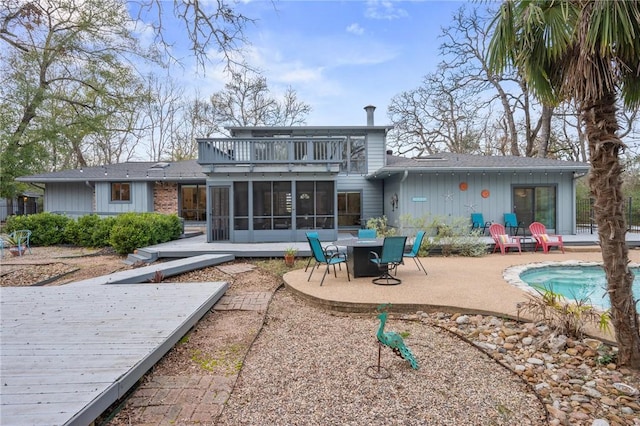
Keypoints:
(576, 282)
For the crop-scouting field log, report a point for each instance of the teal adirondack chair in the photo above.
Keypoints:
(511, 222)
(478, 222)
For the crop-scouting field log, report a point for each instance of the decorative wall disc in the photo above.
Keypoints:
(463, 186)
(485, 193)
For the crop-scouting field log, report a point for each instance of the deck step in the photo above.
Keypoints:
(141, 256)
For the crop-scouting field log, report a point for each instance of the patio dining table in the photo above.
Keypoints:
(358, 255)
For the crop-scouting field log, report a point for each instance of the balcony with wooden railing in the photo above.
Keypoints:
(322, 154)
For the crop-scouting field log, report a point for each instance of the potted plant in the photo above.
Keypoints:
(290, 256)
(12, 242)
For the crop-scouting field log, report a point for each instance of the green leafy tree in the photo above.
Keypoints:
(64, 63)
(68, 85)
(586, 51)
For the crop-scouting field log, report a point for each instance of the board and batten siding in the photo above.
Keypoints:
(141, 198)
(393, 185)
(439, 196)
(71, 198)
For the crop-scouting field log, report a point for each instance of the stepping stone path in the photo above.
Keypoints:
(252, 301)
(197, 398)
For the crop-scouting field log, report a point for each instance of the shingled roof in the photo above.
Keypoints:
(476, 163)
(191, 171)
(186, 171)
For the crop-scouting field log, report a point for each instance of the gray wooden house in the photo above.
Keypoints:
(456, 185)
(271, 184)
(172, 187)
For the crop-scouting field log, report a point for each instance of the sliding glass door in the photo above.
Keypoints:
(535, 204)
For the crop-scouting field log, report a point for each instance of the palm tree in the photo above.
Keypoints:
(587, 51)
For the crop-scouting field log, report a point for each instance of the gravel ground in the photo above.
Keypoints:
(310, 367)
(58, 265)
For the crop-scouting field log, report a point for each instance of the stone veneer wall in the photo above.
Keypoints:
(165, 197)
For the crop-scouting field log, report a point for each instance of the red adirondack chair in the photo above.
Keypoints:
(502, 240)
(544, 240)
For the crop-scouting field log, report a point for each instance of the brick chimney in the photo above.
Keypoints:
(369, 109)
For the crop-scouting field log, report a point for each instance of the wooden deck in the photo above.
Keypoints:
(67, 353)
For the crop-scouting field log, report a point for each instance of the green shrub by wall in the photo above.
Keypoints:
(135, 230)
(90, 231)
(124, 233)
(46, 228)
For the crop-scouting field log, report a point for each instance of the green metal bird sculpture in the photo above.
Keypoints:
(395, 342)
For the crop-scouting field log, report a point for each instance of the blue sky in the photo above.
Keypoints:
(340, 56)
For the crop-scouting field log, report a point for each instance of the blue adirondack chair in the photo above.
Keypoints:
(478, 222)
(511, 222)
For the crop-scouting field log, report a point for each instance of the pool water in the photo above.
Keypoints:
(576, 282)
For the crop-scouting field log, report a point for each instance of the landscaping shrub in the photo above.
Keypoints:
(46, 228)
(381, 225)
(409, 227)
(124, 233)
(450, 234)
(134, 230)
(566, 316)
(470, 245)
(90, 231)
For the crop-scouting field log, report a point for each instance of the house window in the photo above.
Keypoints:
(241, 206)
(121, 192)
(282, 205)
(535, 204)
(354, 155)
(193, 202)
(272, 205)
(349, 209)
(314, 205)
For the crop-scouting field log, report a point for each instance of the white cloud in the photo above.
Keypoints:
(384, 9)
(355, 28)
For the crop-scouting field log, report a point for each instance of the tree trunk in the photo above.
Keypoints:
(511, 122)
(545, 131)
(606, 186)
